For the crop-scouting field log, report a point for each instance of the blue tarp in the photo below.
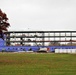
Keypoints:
(2, 42)
(34, 48)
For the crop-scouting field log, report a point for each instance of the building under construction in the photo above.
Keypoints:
(26, 40)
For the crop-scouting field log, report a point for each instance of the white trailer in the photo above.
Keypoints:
(65, 50)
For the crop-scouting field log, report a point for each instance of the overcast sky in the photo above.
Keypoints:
(40, 14)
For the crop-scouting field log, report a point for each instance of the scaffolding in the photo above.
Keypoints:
(40, 38)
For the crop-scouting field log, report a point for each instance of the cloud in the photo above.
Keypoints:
(40, 14)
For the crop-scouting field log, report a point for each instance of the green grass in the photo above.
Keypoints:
(37, 64)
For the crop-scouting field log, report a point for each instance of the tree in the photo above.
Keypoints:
(3, 24)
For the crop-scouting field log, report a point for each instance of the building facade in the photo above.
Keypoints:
(23, 40)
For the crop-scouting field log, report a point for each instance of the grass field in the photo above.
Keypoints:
(37, 64)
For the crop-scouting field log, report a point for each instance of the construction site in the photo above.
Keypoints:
(15, 41)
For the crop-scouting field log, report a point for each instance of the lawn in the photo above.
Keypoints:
(37, 64)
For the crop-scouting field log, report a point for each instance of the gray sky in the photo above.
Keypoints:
(40, 14)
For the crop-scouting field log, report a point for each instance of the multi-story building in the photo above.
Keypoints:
(24, 40)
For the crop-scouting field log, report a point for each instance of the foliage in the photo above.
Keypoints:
(3, 23)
